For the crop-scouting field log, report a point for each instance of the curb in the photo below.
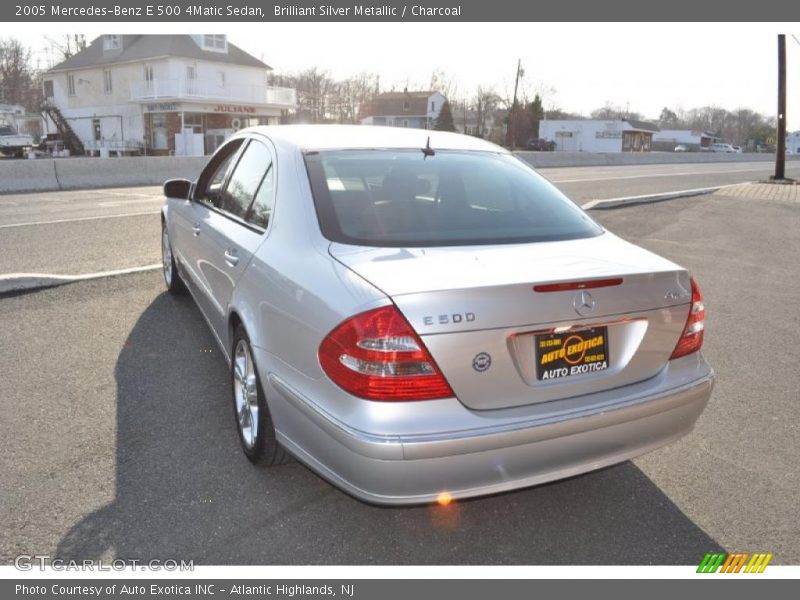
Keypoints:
(649, 198)
(23, 282)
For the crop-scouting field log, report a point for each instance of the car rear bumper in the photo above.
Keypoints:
(414, 469)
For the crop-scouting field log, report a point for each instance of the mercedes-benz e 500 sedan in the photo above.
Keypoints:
(419, 315)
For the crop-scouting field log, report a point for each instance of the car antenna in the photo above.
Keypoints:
(427, 150)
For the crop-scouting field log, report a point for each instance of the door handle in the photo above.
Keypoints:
(196, 229)
(231, 258)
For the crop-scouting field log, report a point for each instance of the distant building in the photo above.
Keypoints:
(694, 140)
(160, 94)
(793, 142)
(596, 135)
(404, 109)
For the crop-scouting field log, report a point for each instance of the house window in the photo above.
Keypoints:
(405, 105)
(111, 42)
(148, 73)
(48, 88)
(191, 76)
(193, 121)
(433, 106)
(71, 84)
(221, 78)
(214, 42)
(405, 122)
(107, 81)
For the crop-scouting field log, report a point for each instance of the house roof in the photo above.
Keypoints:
(142, 47)
(642, 125)
(412, 104)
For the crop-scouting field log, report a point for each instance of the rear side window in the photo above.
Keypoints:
(261, 210)
(246, 179)
(400, 198)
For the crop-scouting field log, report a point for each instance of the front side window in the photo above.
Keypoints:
(246, 179)
(212, 179)
(400, 198)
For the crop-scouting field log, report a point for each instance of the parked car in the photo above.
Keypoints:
(540, 145)
(722, 148)
(681, 148)
(737, 149)
(420, 316)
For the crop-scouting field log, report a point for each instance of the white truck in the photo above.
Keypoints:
(13, 143)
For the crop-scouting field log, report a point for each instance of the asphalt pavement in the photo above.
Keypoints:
(118, 438)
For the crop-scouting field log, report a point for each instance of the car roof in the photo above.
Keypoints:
(332, 137)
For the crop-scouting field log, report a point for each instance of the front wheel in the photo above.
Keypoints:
(253, 421)
(172, 278)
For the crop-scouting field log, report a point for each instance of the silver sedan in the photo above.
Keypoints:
(419, 316)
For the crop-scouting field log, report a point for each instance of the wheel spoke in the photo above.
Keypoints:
(239, 369)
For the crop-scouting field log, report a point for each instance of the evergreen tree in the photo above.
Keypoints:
(536, 110)
(444, 122)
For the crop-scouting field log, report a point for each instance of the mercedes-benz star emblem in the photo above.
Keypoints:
(482, 361)
(584, 303)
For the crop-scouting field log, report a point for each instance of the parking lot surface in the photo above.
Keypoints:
(118, 439)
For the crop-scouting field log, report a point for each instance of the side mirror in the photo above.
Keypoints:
(177, 188)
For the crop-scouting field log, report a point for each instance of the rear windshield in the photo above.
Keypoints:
(402, 198)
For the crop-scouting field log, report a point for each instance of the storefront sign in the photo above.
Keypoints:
(235, 108)
(161, 107)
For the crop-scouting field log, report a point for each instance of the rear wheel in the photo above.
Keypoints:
(172, 278)
(253, 421)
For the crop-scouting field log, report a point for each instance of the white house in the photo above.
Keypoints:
(694, 140)
(594, 135)
(160, 94)
(404, 109)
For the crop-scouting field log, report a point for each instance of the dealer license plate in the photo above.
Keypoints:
(570, 353)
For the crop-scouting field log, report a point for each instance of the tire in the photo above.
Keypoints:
(172, 279)
(250, 412)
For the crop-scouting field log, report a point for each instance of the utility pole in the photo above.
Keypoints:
(510, 142)
(780, 150)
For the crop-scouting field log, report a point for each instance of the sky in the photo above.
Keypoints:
(578, 66)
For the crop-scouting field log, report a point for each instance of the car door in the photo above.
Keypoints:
(188, 216)
(231, 231)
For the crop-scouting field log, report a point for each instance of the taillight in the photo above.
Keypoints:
(378, 356)
(692, 336)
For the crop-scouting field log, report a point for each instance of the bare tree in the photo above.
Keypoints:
(485, 103)
(445, 84)
(66, 46)
(16, 74)
(610, 111)
(321, 99)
